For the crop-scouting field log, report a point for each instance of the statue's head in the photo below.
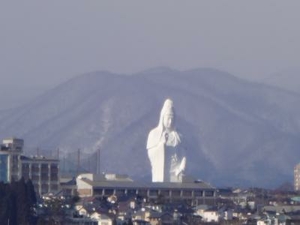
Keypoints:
(165, 127)
(167, 115)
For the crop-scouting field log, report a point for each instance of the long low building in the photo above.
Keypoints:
(192, 192)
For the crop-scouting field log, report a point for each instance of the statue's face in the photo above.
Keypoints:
(168, 121)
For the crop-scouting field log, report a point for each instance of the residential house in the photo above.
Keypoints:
(158, 218)
(102, 218)
(211, 215)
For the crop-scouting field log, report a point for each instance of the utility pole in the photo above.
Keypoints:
(64, 163)
(97, 169)
(98, 162)
(58, 153)
(78, 161)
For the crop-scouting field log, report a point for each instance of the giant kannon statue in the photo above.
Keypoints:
(164, 148)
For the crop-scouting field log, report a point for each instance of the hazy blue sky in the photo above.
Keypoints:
(43, 43)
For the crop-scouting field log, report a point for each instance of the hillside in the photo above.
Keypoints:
(235, 132)
(288, 79)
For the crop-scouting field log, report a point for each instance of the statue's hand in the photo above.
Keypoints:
(165, 137)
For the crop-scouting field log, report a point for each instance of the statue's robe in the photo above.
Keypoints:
(164, 150)
(165, 158)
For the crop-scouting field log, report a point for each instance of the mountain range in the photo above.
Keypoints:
(288, 79)
(235, 132)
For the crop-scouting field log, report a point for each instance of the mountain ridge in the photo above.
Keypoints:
(235, 131)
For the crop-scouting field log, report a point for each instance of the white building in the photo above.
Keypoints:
(102, 219)
(43, 172)
(10, 159)
(297, 177)
(214, 215)
(193, 193)
(211, 215)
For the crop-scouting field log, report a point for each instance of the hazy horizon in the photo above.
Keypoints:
(46, 43)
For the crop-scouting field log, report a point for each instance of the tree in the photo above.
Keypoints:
(31, 195)
(23, 206)
(31, 198)
(15, 203)
(130, 222)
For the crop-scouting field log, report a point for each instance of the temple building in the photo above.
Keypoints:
(43, 172)
(168, 162)
(190, 191)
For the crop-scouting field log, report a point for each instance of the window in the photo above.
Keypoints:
(187, 193)
(109, 191)
(165, 193)
(120, 192)
(209, 193)
(198, 193)
(153, 192)
(176, 193)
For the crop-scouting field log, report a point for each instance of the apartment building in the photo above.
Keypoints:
(297, 177)
(44, 172)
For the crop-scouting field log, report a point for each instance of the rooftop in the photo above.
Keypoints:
(145, 185)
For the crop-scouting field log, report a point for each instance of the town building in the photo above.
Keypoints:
(43, 172)
(297, 177)
(191, 192)
(10, 159)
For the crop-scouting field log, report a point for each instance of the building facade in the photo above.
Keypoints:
(191, 192)
(43, 172)
(297, 177)
(10, 159)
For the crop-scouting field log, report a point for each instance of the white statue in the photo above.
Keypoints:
(163, 145)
